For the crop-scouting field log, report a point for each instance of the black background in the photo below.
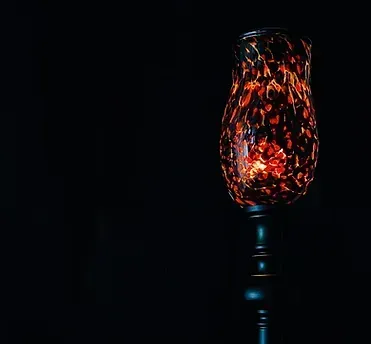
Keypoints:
(117, 226)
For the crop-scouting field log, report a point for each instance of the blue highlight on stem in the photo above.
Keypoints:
(254, 294)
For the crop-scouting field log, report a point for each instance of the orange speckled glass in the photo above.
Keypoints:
(269, 139)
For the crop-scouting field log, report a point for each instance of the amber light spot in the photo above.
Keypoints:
(239, 127)
(305, 113)
(269, 140)
(268, 107)
(275, 119)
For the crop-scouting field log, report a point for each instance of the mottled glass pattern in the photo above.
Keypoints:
(269, 139)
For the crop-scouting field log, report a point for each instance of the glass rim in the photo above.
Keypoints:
(264, 30)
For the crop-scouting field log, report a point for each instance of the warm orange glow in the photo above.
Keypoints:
(269, 141)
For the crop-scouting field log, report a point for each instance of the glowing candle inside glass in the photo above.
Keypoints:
(269, 139)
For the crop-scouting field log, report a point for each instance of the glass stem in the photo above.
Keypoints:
(263, 292)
